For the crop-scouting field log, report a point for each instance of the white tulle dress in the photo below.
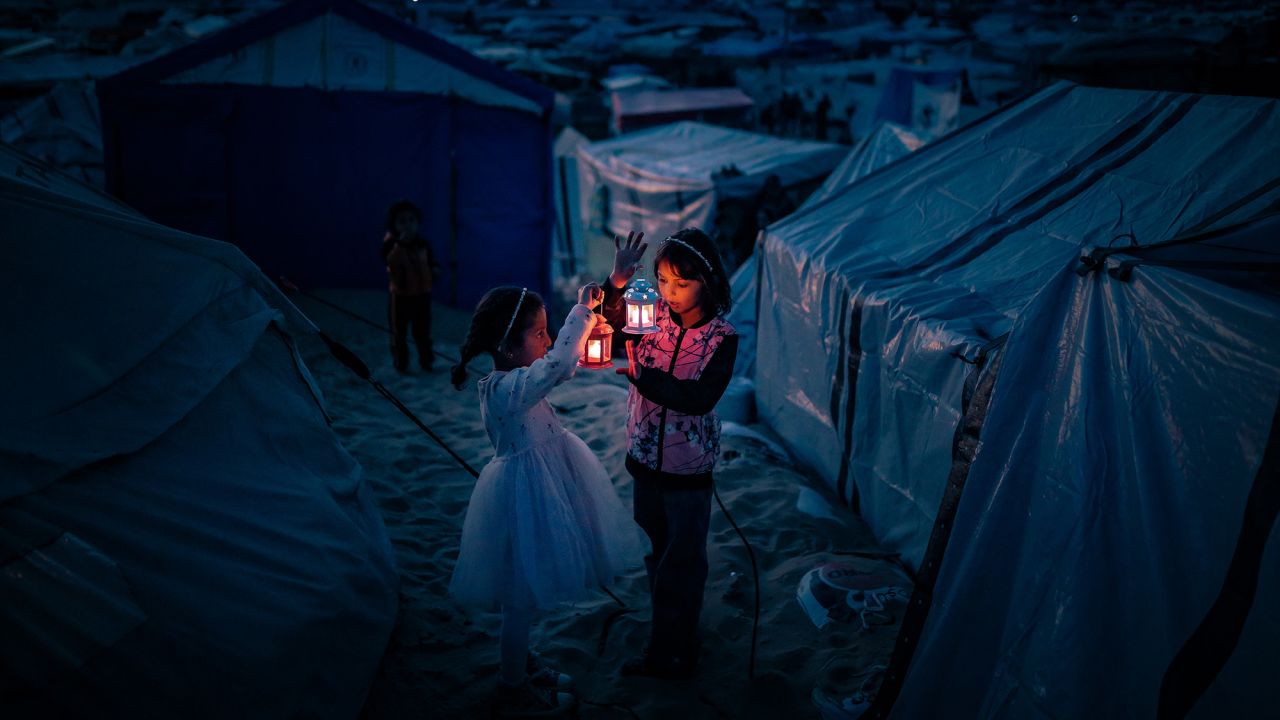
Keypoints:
(545, 524)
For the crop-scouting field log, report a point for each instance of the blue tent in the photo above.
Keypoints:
(1066, 451)
(290, 135)
(181, 532)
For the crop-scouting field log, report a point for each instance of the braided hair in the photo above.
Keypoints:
(489, 322)
(717, 295)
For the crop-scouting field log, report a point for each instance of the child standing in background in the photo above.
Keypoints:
(411, 269)
(673, 435)
(545, 524)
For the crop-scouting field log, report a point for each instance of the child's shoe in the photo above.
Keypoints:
(543, 676)
(526, 701)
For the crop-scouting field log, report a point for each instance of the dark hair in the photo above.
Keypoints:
(489, 322)
(717, 297)
(398, 207)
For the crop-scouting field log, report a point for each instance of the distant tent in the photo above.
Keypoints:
(290, 135)
(1086, 434)
(183, 534)
(926, 100)
(62, 128)
(663, 179)
(640, 109)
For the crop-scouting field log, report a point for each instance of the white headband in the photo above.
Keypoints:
(514, 313)
(695, 252)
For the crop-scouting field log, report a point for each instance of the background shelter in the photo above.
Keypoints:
(289, 135)
(639, 109)
(685, 174)
(183, 533)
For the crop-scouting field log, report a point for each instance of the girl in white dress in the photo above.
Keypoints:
(545, 524)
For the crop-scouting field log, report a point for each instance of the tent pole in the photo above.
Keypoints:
(565, 224)
(453, 202)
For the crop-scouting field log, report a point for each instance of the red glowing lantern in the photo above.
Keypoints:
(599, 352)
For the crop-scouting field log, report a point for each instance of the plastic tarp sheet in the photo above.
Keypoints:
(183, 533)
(1100, 515)
(883, 294)
(888, 143)
(661, 179)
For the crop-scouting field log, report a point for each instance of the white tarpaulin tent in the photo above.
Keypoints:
(666, 178)
(182, 533)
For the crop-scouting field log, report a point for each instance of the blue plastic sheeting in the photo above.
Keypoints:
(184, 535)
(896, 97)
(887, 143)
(300, 176)
(1101, 513)
(882, 295)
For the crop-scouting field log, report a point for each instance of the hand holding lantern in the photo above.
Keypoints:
(599, 351)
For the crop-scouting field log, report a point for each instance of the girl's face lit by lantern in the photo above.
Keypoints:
(533, 343)
(683, 295)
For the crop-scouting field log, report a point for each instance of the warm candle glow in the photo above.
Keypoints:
(595, 350)
(641, 300)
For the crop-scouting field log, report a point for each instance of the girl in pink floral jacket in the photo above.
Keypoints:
(673, 435)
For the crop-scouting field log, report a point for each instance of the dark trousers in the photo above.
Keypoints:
(676, 521)
(406, 312)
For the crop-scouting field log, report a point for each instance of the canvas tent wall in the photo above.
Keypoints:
(903, 286)
(1130, 458)
(184, 536)
(921, 268)
(291, 134)
(887, 143)
(663, 179)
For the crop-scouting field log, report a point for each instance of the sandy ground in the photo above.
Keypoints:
(442, 659)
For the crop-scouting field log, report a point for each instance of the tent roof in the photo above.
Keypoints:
(693, 152)
(662, 102)
(274, 21)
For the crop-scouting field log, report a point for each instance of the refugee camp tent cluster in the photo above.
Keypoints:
(289, 135)
(1055, 343)
(183, 534)
(679, 175)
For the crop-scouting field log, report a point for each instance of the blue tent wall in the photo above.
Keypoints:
(1126, 430)
(300, 178)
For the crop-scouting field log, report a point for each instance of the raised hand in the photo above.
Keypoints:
(626, 257)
